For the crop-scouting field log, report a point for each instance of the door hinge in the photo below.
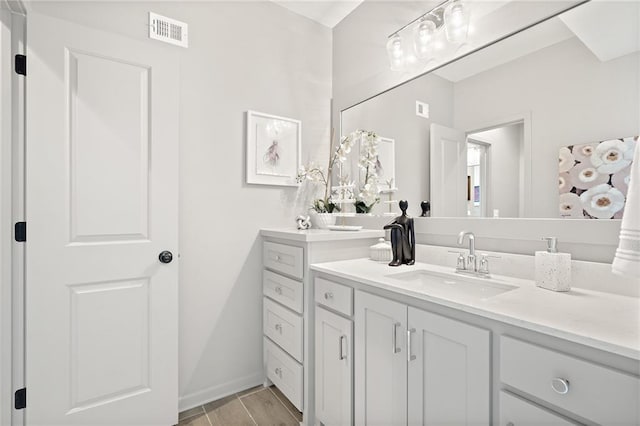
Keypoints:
(20, 399)
(21, 64)
(21, 232)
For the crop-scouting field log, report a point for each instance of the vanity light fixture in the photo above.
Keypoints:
(451, 15)
(395, 52)
(456, 21)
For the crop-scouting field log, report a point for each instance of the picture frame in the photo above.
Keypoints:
(273, 149)
(387, 160)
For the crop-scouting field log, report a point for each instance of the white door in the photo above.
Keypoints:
(449, 381)
(102, 186)
(380, 361)
(334, 368)
(448, 172)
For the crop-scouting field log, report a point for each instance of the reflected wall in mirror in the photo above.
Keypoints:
(504, 112)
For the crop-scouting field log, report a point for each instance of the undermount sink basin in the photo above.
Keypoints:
(441, 284)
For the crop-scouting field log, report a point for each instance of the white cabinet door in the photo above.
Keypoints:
(380, 361)
(334, 368)
(449, 364)
(102, 204)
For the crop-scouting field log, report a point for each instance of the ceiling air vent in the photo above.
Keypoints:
(168, 30)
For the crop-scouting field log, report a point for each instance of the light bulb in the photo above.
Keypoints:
(456, 21)
(396, 53)
(423, 35)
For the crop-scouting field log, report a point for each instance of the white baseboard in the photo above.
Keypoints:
(214, 393)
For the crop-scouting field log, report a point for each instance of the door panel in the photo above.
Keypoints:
(108, 126)
(449, 381)
(102, 150)
(380, 361)
(448, 172)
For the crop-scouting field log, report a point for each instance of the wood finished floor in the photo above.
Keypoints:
(255, 406)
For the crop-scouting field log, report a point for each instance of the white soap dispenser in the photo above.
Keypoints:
(553, 269)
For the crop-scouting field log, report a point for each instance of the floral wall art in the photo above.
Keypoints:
(594, 177)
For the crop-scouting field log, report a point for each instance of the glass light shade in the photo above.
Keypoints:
(456, 21)
(423, 35)
(396, 53)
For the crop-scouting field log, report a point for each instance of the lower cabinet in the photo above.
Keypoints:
(334, 368)
(416, 367)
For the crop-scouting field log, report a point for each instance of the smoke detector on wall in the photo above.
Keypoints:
(168, 30)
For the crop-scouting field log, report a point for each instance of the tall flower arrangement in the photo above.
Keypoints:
(315, 174)
(368, 163)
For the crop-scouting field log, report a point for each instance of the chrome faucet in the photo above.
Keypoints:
(469, 264)
(472, 262)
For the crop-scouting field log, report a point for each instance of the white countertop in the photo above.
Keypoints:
(311, 235)
(605, 321)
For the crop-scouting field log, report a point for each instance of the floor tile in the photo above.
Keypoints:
(228, 411)
(250, 390)
(190, 413)
(211, 406)
(292, 408)
(197, 420)
(266, 409)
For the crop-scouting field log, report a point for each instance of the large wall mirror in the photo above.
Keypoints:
(483, 136)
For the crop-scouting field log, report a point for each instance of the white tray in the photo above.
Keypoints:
(344, 227)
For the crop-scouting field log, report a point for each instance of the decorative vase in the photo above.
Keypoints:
(322, 220)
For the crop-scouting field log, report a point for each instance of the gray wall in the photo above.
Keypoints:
(392, 115)
(573, 98)
(242, 55)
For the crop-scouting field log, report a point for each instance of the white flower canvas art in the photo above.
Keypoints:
(273, 149)
(594, 178)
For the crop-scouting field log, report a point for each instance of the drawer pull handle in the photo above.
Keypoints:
(342, 356)
(328, 295)
(510, 424)
(279, 290)
(560, 386)
(279, 372)
(279, 328)
(277, 258)
(395, 347)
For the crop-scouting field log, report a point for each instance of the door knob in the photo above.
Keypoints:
(165, 257)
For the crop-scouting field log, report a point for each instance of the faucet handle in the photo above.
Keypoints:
(461, 261)
(484, 262)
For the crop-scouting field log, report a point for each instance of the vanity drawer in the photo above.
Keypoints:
(335, 296)
(284, 372)
(283, 327)
(515, 411)
(594, 392)
(283, 258)
(283, 290)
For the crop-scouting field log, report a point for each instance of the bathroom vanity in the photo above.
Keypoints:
(423, 345)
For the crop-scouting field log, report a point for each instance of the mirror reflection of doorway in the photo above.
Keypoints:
(477, 178)
(495, 171)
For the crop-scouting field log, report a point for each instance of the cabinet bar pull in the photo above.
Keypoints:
(279, 290)
(409, 356)
(342, 356)
(395, 348)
